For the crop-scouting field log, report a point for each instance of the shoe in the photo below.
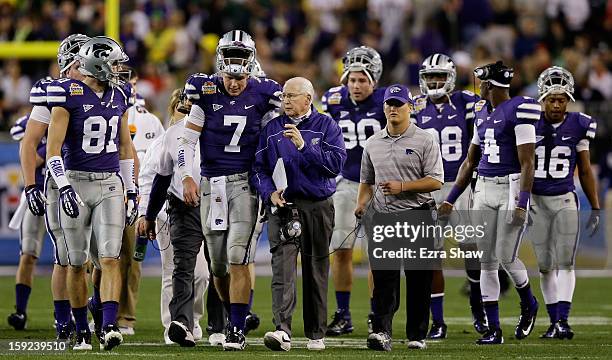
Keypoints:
(491, 337)
(316, 345)
(83, 340)
(126, 330)
(234, 341)
(341, 324)
(551, 333)
(112, 337)
(216, 339)
(197, 332)
(180, 334)
(480, 322)
(437, 332)
(18, 320)
(277, 340)
(564, 331)
(251, 323)
(370, 323)
(417, 344)
(167, 340)
(379, 341)
(526, 320)
(65, 332)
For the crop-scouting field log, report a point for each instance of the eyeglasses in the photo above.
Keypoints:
(290, 96)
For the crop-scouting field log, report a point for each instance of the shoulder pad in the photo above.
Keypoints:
(335, 89)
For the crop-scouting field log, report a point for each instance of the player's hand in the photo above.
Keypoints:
(444, 210)
(191, 192)
(518, 216)
(70, 201)
(277, 198)
(131, 207)
(594, 220)
(294, 135)
(391, 187)
(360, 211)
(36, 199)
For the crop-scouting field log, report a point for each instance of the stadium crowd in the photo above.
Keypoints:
(168, 39)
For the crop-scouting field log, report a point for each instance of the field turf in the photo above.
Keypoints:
(591, 318)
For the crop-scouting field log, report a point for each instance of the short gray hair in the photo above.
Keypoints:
(305, 86)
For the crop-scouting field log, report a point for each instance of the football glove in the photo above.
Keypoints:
(36, 199)
(70, 201)
(593, 224)
(131, 208)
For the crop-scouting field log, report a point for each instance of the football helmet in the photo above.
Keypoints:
(68, 49)
(101, 58)
(497, 74)
(258, 71)
(236, 53)
(362, 58)
(437, 64)
(555, 80)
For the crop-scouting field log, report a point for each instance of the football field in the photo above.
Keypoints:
(591, 318)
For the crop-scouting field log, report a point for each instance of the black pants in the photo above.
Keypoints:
(317, 218)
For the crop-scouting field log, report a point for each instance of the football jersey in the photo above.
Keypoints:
(38, 93)
(358, 121)
(92, 136)
(496, 134)
(147, 127)
(452, 125)
(232, 124)
(18, 131)
(556, 152)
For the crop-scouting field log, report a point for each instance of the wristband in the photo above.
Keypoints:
(55, 164)
(454, 194)
(523, 199)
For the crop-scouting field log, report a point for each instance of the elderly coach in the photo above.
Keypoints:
(405, 163)
(311, 148)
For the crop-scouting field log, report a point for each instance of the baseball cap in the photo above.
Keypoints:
(497, 74)
(398, 92)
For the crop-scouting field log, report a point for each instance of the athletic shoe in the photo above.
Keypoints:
(65, 332)
(112, 337)
(216, 339)
(526, 320)
(564, 331)
(234, 341)
(18, 320)
(370, 323)
(437, 332)
(341, 324)
(126, 330)
(167, 340)
(417, 344)
(197, 332)
(316, 345)
(491, 337)
(480, 323)
(180, 334)
(551, 333)
(251, 323)
(277, 340)
(83, 340)
(379, 341)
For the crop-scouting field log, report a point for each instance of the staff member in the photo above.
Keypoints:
(404, 161)
(311, 147)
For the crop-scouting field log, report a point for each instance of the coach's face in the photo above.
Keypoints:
(296, 102)
(397, 112)
(235, 84)
(359, 85)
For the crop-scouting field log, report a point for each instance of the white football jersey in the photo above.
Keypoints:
(148, 128)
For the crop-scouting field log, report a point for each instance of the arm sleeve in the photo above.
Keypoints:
(262, 173)
(475, 137)
(41, 114)
(157, 198)
(329, 154)
(367, 175)
(432, 161)
(186, 151)
(525, 134)
(147, 173)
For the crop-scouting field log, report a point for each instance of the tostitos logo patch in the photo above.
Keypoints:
(209, 88)
(76, 89)
(334, 99)
(420, 104)
(479, 105)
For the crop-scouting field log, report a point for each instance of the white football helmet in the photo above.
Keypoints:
(437, 64)
(555, 80)
(68, 49)
(101, 58)
(362, 58)
(236, 53)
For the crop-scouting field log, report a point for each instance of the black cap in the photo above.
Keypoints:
(497, 74)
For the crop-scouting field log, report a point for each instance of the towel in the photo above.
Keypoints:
(15, 223)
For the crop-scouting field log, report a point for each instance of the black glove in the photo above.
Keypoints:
(593, 224)
(131, 208)
(70, 201)
(36, 199)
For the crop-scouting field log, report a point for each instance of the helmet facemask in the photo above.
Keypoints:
(555, 80)
(436, 88)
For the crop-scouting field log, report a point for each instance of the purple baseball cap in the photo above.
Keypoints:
(398, 92)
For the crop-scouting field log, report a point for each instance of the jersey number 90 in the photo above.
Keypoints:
(356, 138)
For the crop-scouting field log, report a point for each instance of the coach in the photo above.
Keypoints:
(311, 147)
(404, 161)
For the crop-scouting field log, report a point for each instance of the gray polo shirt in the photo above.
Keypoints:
(411, 156)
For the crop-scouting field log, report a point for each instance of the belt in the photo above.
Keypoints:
(234, 177)
(86, 175)
(495, 179)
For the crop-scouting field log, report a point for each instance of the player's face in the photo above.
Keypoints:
(235, 84)
(397, 112)
(484, 90)
(74, 73)
(359, 86)
(555, 106)
(435, 80)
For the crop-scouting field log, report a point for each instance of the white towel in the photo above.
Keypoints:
(279, 175)
(15, 223)
(217, 216)
(514, 188)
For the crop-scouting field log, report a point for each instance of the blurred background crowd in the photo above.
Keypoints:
(169, 39)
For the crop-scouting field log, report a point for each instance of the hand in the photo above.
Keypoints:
(146, 228)
(70, 201)
(191, 192)
(294, 135)
(131, 207)
(593, 224)
(444, 210)
(360, 211)
(391, 187)
(140, 226)
(36, 199)
(518, 216)
(277, 198)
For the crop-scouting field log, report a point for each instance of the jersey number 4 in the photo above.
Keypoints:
(558, 167)
(354, 138)
(94, 134)
(491, 149)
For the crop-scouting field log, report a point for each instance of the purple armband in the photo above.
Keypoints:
(523, 199)
(454, 194)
